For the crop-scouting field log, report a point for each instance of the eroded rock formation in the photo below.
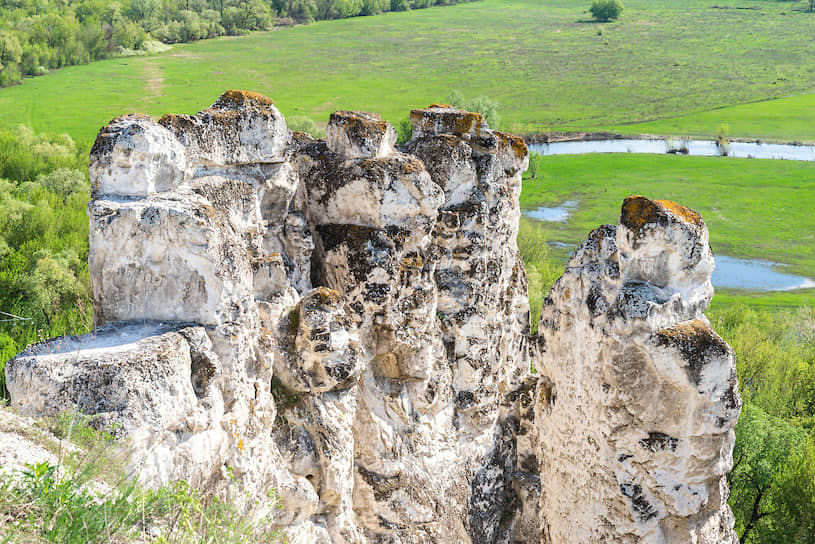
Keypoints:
(638, 396)
(347, 323)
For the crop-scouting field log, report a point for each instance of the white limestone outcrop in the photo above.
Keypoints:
(347, 323)
(638, 400)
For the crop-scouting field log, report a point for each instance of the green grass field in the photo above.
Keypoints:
(787, 119)
(547, 66)
(759, 209)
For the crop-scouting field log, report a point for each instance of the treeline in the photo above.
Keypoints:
(772, 484)
(44, 278)
(41, 35)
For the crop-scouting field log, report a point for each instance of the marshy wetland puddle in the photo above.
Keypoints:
(734, 273)
(557, 214)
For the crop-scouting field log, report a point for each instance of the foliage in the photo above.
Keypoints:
(606, 10)
(303, 124)
(43, 240)
(24, 155)
(410, 59)
(540, 272)
(404, 131)
(773, 477)
(722, 140)
(766, 448)
(534, 161)
(776, 358)
(79, 501)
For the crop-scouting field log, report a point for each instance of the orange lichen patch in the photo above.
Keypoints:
(381, 168)
(438, 120)
(177, 122)
(272, 260)
(412, 165)
(638, 211)
(448, 106)
(237, 98)
(206, 210)
(687, 215)
(412, 262)
(360, 125)
(686, 330)
(696, 342)
(516, 143)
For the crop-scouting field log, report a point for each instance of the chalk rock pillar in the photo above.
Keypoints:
(637, 400)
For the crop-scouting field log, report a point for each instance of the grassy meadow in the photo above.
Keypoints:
(546, 64)
(785, 119)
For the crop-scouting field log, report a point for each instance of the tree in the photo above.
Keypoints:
(768, 457)
(606, 10)
(10, 55)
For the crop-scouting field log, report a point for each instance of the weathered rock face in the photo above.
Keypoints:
(638, 400)
(347, 323)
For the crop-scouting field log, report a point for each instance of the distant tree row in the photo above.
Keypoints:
(41, 35)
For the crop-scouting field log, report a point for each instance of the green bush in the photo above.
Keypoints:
(43, 239)
(404, 131)
(301, 123)
(606, 10)
(540, 273)
(773, 478)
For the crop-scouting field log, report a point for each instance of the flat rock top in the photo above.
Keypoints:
(441, 118)
(116, 337)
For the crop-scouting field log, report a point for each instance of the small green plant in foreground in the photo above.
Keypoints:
(540, 272)
(75, 501)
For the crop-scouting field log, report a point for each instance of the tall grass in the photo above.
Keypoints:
(86, 497)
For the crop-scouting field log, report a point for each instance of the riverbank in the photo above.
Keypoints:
(594, 136)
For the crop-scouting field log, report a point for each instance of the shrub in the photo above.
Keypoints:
(540, 273)
(301, 123)
(606, 10)
(404, 130)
